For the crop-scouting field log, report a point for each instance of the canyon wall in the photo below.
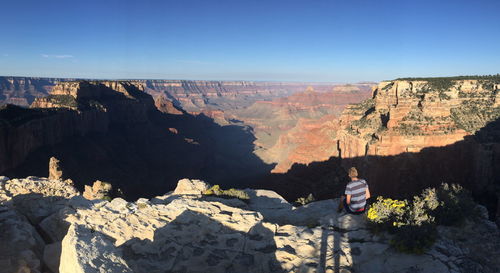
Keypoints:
(192, 96)
(23, 90)
(434, 128)
(113, 130)
(411, 134)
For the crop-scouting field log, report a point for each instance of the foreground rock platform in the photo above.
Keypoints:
(184, 231)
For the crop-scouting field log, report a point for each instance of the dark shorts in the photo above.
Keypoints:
(348, 209)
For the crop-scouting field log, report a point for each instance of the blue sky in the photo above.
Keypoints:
(283, 40)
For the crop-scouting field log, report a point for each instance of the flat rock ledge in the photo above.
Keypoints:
(184, 231)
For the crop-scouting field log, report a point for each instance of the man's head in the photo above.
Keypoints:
(353, 173)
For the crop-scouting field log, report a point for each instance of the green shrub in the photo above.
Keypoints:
(456, 205)
(362, 107)
(230, 193)
(305, 200)
(409, 129)
(63, 100)
(473, 115)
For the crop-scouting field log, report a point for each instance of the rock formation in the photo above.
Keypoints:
(186, 231)
(414, 116)
(99, 190)
(55, 170)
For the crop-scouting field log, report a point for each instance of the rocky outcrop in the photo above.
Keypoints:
(430, 128)
(189, 232)
(407, 116)
(99, 190)
(188, 186)
(25, 206)
(55, 170)
(166, 106)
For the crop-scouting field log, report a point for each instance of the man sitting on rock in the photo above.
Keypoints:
(356, 193)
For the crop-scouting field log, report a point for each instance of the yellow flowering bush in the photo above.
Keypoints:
(386, 209)
(414, 223)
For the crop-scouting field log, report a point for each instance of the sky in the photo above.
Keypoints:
(268, 40)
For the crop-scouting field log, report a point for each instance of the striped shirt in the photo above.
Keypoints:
(357, 191)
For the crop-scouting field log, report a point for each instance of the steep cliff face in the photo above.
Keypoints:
(24, 130)
(406, 116)
(414, 130)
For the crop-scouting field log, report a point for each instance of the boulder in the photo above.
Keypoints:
(191, 186)
(99, 190)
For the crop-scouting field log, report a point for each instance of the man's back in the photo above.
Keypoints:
(357, 190)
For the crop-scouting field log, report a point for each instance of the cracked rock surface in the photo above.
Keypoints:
(184, 231)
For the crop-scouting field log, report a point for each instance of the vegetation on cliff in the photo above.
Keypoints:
(444, 83)
(413, 223)
(473, 115)
(230, 193)
(67, 101)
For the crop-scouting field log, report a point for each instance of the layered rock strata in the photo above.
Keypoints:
(440, 126)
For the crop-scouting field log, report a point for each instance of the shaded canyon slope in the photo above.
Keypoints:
(112, 131)
(412, 134)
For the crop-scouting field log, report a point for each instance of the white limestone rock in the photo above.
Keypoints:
(36, 197)
(87, 251)
(191, 186)
(21, 247)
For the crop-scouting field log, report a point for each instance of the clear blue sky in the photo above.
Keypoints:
(307, 40)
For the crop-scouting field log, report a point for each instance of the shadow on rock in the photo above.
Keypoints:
(192, 242)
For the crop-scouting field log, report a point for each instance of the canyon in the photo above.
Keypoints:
(410, 135)
(400, 134)
(147, 155)
(248, 116)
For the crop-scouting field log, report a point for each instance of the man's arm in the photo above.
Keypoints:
(348, 199)
(368, 195)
